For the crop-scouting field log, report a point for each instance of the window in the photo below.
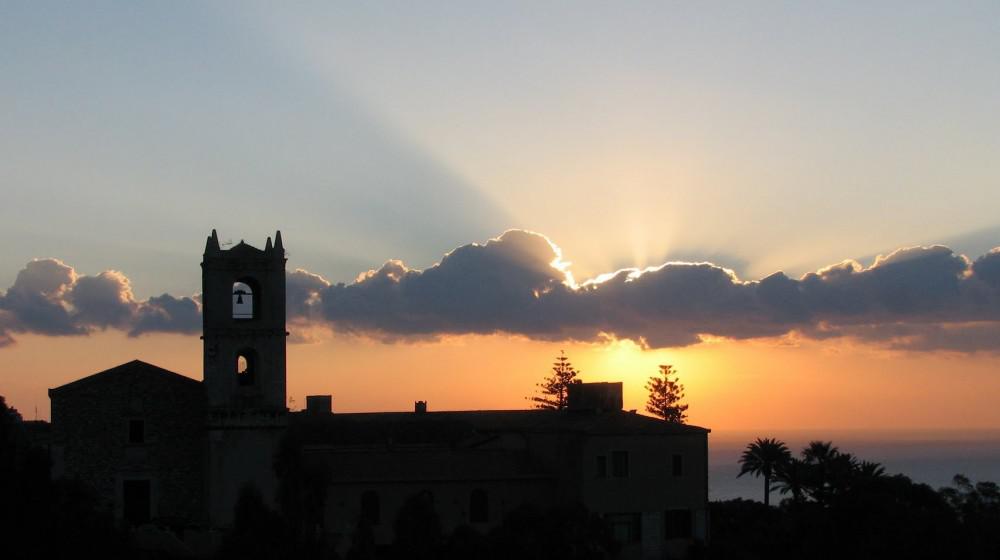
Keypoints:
(242, 301)
(678, 524)
(479, 506)
(370, 507)
(619, 464)
(602, 466)
(245, 368)
(135, 501)
(136, 431)
(678, 465)
(625, 527)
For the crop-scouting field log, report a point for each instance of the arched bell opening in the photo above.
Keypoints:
(246, 299)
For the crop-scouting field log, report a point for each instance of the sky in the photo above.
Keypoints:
(792, 203)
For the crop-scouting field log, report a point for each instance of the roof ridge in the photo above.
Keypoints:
(135, 364)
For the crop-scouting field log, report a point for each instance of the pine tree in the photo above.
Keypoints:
(665, 395)
(555, 389)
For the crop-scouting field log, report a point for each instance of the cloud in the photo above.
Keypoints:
(49, 297)
(167, 313)
(918, 298)
(914, 299)
(987, 268)
(302, 289)
(498, 286)
(37, 300)
(104, 300)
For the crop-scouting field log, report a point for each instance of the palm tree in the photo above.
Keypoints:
(832, 470)
(793, 476)
(820, 452)
(870, 470)
(764, 457)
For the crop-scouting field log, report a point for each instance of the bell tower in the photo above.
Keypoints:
(243, 314)
(243, 324)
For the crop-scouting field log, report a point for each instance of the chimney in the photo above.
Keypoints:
(319, 404)
(420, 407)
(595, 397)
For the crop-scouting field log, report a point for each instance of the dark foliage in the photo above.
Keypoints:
(466, 542)
(978, 509)
(570, 533)
(362, 542)
(665, 394)
(42, 518)
(892, 517)
(745, 529)
(764, 458)
(554, 388)
(258, 531)
(418, 529)
(301, 498)
(840, 507)
(526, 533)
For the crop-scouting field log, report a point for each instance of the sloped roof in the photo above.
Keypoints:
(244, 249)
(132, 369)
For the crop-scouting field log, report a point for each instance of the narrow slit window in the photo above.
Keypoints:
(242, 301)
(619, 464)
(136, 431)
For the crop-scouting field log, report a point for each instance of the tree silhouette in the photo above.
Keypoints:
(870, 469)
(665, 395)
(793, 476)
(824, 473)
(418, 533)
(832, 472)
(978, 508)
(556, 387)
(258, 531)
(764, 457)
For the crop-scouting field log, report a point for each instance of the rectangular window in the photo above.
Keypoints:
(678, 524)
(135, 501)
(625, 527)
(619, 464)
(602, 466)
(678, 465)
(136, 431)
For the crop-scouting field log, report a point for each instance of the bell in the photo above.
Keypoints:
(239, 297)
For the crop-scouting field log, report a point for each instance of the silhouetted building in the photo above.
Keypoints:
(646, 476)
(160, 446)
(135, 433)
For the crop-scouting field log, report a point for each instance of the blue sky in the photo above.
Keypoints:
(760, 136)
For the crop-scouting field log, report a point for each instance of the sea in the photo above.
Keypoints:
(932, 457)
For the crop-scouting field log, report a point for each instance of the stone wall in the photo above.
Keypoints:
(91, 438)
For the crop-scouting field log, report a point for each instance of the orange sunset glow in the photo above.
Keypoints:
(439, 280)
(729, 385)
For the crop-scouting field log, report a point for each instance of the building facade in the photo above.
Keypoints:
(162, 447)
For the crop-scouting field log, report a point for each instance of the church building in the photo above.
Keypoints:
(163, 448)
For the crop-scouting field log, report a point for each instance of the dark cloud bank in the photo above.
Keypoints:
(921, 298)
(49, 298)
